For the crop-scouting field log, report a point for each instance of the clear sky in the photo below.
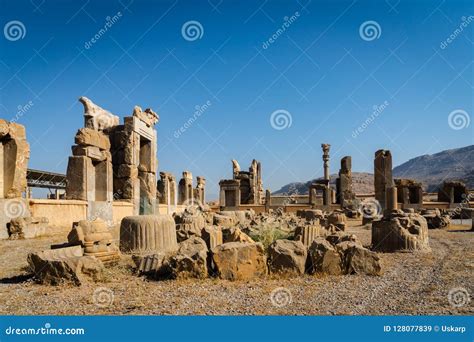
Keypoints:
(320, 66)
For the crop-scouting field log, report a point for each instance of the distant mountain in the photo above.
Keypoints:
(362, 183)
(431, 170)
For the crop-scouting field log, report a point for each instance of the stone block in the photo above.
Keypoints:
(147, 234)
(91, 137)
(287, 257)
(239, 260)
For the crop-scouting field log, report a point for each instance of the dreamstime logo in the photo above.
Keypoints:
(458, 297)
(14, 30)
(14, 208)
(458, 119)
(465, 21)
(199, 110)
(286, 24)
(377, 110)
(22, 110)
(109, 22)
(370, 30)
(192, 30)
(281, 297)
(370, 208)
(103, 297)
(281, 119)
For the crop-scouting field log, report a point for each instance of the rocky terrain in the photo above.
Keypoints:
(410, 283)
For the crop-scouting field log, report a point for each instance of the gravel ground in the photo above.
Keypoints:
(412, 284)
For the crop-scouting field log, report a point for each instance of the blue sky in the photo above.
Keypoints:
(321, 71)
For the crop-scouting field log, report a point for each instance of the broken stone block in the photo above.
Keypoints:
(400, 232)
(338, 237)
(189, 223)
(151, 264)
(307, 233)
(224, 220)
(435, 219)
(96, 239)
(338, 219)
(234, 234)
(190, 261)
(148, 116)
(91, 137)
(55, 267)
(239, 260)
(359, 260)
(310, 214)
(148, 234)
(96, 117)
(287, 257)
(212, 235)
(323, 258)
(27, 227)
(92, 152)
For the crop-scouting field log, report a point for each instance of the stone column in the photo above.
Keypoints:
(326, 148)
(392, 203)
(382, 176)
(267, 200)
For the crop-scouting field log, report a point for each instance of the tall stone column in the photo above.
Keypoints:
(382, 176)
(326, 148)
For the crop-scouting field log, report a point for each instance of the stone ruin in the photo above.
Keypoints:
(345, 196)
(453, 192)
(187, 195)
(321, 186)
(229, 196)
(166, 190)
(114, 162)
(410, 193)
(396, 230)
(245, 187)
(14, 156)
(83, 258)
(382, 176)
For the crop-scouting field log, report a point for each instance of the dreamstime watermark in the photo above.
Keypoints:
(14, 30)
(192, 30)
(287, 22)
(370, 30)
(46, 330)
(199, 110)
(109, 22)
(464, 204)
(15, 208)
(103, 297)
(465, 21)
(281, 297)
(281, 119)
(370, 208)
(22, 110)
(459, 119)
(377, 110)
(459, 297)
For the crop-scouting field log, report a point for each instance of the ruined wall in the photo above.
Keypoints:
(14, 156)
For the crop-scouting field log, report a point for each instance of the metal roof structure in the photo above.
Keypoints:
(45, 179)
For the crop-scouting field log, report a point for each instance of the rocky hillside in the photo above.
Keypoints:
(363, 183)
(431, 170)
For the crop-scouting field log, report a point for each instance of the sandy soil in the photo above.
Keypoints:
(412, 283)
